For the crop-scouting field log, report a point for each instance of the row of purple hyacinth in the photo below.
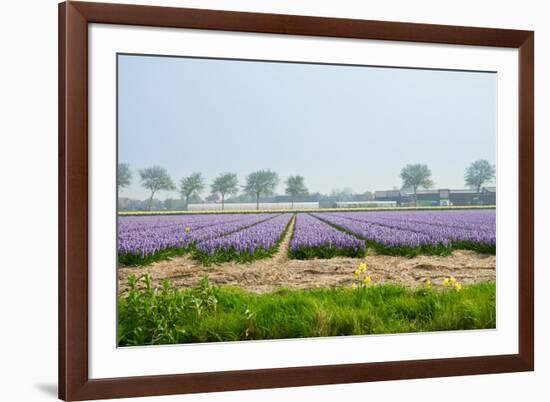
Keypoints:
(138, 223)
(418, 228)
(473, 220)
(311, 233)
(144, 236)
(263, 236)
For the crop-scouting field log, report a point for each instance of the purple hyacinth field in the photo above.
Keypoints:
(314, 238)
(436, 230)
(246, 244)
(245, 237)
(146, 238)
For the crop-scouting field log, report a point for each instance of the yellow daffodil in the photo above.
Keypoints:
(446, 282)
(428, 284)
(458, 286)
(187, 229)
(353, 286)
(452, 280)
(363, 267)
(357, 273)
(367, 281)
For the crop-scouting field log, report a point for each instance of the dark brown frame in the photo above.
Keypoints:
(74, 17)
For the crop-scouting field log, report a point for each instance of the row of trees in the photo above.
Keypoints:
(418, 175)
(259, 183)
(263, 182)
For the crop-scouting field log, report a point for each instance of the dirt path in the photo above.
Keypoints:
(279, 271)
(282, 253)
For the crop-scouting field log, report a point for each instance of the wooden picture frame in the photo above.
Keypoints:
(74, 381)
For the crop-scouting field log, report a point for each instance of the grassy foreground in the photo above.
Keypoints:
(149, 316)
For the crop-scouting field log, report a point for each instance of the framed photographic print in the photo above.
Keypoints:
(259, 200)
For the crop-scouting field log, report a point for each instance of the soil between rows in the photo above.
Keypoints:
(279, 271)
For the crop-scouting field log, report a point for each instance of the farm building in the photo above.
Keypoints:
(288, 198)
(366, 204)
(400, 197)
(250, 206)
(456, 197)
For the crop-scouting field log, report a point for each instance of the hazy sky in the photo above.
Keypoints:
(338, 126)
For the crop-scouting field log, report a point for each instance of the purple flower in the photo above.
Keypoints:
(147, 235)
(263, 236)
(311, 233)
(418, 228)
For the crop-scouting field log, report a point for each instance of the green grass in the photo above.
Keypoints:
(210, 314)
(479, 247)
(303, 253)
(138, 260)
(405, 251)
(222, 256)
(307, 253)
(439, 249)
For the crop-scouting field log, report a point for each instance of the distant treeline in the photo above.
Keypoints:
(261, 186)
(179, 204)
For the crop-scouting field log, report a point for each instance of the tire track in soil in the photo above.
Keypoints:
(284, 245)
(282, 253)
